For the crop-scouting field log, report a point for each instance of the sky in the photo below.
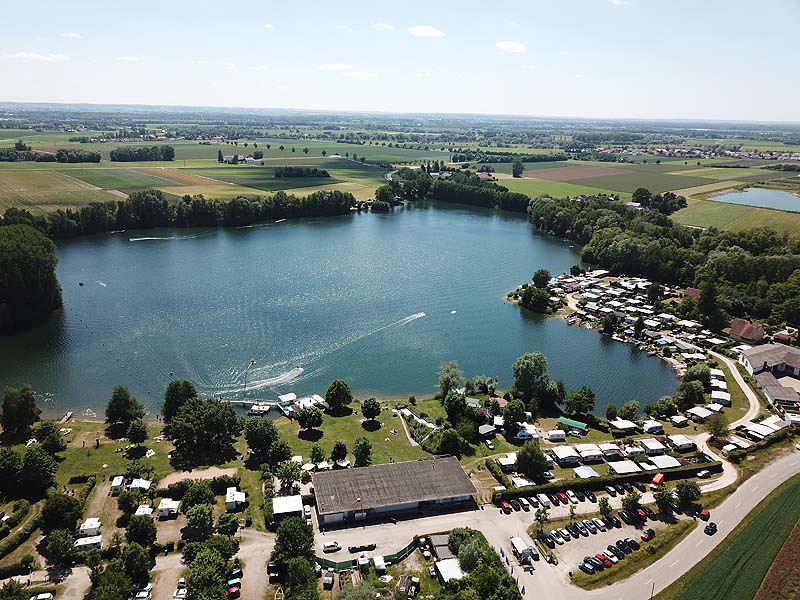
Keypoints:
(709, 59)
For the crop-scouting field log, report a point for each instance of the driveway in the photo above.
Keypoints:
(165, 575)
(254, 551)
(755, 406)
(76, 585)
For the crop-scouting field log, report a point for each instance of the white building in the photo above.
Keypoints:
(88, 543)
(116, 484)
(556, 435)
(168, 508)
(527, 432)
(624, 467)
(623, 425)
(680, 442)
(144, 510)
(699, 413)
(284, 507)
(665, 462)
(139, 485)
(90, 527)
(565, 455)
(652, 426)
(589, 452)
(678, 421)
(234, 499)
(721, 397)
(609, 449)
(652, 446)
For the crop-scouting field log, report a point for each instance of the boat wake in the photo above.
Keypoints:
(259, 384)
(170, 237)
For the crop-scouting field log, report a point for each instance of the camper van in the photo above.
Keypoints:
(523, 551)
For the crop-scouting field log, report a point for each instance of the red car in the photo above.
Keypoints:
(605, 560)
(562, 497)
(704, 514)
(648, 534)
(641, 514)
(234, 591)
(505, 507)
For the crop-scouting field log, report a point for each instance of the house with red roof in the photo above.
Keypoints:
(747, 331)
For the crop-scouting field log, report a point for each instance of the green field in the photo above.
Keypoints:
(734, 569)
(739, 174)
(655, 182)
(557, 189)
(735, 217)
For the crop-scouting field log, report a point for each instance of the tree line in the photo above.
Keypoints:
(143, 153)
(483, 156)
(62, 156)
(300, 172)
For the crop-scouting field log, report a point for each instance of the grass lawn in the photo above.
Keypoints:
(251, 485)
(128, 180)
(734, 570)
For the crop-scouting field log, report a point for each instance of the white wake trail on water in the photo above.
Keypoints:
(171, 237)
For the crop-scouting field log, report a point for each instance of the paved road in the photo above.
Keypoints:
(755, 405)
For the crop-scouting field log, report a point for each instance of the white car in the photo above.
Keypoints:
(45, 596)
(572, 497)
(181, 583)
(565, 534)
(704, 474)
(611, 557)
(330, 547)
(557, 537)
(797, 446)
(180, 594)
(599, 524)
(307, 511)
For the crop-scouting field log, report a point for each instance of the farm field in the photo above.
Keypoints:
(740, 174)
(558, 189)
(655, 182)
(782, 581)
(748, 552)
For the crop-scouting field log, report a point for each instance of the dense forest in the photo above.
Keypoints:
(754, 272)
(29, 289)
(151, 208)
(142, 153)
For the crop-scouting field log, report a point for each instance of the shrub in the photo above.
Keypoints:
(494, 468)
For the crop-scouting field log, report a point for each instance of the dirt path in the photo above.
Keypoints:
(165, 575)
(208, 473)
(76, 585)
(254, 552)
(408, 434)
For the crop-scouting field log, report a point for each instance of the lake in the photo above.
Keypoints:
(379, 300)
(761, 197)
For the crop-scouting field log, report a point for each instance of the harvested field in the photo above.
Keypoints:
(708, 188)
(112, 178)
(782, 581)
(574, 172)
(655, 182)
(178, 176)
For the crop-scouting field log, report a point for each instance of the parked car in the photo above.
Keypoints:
(180, 594)
(648, 534)
(599, 524)
(640, 486)
(704, 474)
(615, 551)
(273, 572)
(614, 520)
(572, 497)
(620, 489)
(573, 531)
(597, 564)
(586, 568)
(580, 495)
(711, 528)
(533, 501)
(45, 596)
(632, 543)
(556, 535)
(505, 507)
(582, 528)
(548, 540)
(489, 444)
(562, 497)
(524, 504)
(234, 591)
(590, 526)
(607, 563)
(574, 433)
(624, 547)
(641, 514)
(432, 571)
(515, 505)
(361, 548)
(590, 495)
(704, 514)
(626, 516)
(553, 499)
(182, 582)
(627, 487)
(649, 512)
(330, 547)
(611, 491)
(544, 500)
(566, 535)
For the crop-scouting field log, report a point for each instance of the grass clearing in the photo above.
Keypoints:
(747, 552)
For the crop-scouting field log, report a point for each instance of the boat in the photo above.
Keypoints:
(259, 410)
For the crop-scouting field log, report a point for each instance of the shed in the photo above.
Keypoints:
(556, 435)
(624, 467)
(623, 425)
(721, 397)
(379, 564)
(508, 462)
(585, 472)
(572, 424)
(116, 484)
(449, 569)
(665, 461)
(652, 447)
(699, 413)
(234, 499)
(284, 507)
(168, 508)
(486, 431)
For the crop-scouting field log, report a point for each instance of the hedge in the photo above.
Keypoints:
(494, 468)
(736, 456)
(598, 483)
(219, 485)
(21, 510)
(80, 478)
(87, 489)
(15, 541)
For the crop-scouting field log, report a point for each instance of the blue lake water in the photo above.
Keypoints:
(379, 300)
(762, 197)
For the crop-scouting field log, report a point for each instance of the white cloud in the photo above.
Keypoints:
(359, 75)
(269, 27)
(259, 67)
(578, 76)
(618, 2)
(229, 66)
(128, 58)
(383, 27)
(425, 31)
(512, 24)
(50, 57)
(528, 67)
(510, 47)
(72, 35)
(336, 67)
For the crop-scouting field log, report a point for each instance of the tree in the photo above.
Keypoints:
(317, 455)
(451, 442)
(530, 376)
(553, 395)
(686, 493)
(141, 530)
(470, 554)
(294, 539)
(12, 590)
(10, 467)
(609, 324)
(205, 579)
(199, 492)
(19, 407)
(201, 519)
(611, 411)
(111, 583)
(700, 372)
(717, 426)
(450, 377)
(48, 435)
(580, 401)
(531, 461)
(362, 451)
(642, 196)
(137, 432)
(37, 473)
(137, 563)
(123, 408)
(688, 394)
(261, 436)
(536, 299)
(654, 293)
(371, 408)
(59, 546)
(309, 417)
(227, 524)
(301, 582)
(178, 392)
(455, 404)
(61, 512)
(28, 285)
(204, 431)
(604, 507)
(338, 396)
(629, 410)
(638, 327)
(572, 513)
(219, 156)
(663, 497)
(339, 451)
(128, 501)
(288, 472)
(575, 270)
(631, 501)
(517, 168)
(542, 516)
(513, 416)
(541, 278)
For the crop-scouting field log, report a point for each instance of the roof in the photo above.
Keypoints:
(282, 505)
(693, 292)
(390, 484)
(117, 481)
(449, 569)
(665, 461)
(234, 495)
(699, 412)
(91, 523)
(775, 389)
(588, 449)
(562, 452)
(571, 423)
(168, 503)
(144, 510)
(585, 472)
(772, 354)
(622, 424)
(651, 444)
(680, 440)
(143, 484)
(88, 541)
(623, 467)
(607, 447)
(746, 330)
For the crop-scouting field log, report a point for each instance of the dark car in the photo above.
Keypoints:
(581, 495)
(235, 573)
(590, 526)
(639, 486)
(632, 543)
(587, 568)
(649, 512)
(582, 528)
(553, 499)
(548, 540)
(711, 528)
(614, 520)
(627, 487)
(648, 534)
(273, 572)
(626, 516)
(590, 495)
(625, 548)
(611, 491)
(620, 489)
(594, 562)
(533, 501)
(573, 531)
(515, 505)
(615, 551)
